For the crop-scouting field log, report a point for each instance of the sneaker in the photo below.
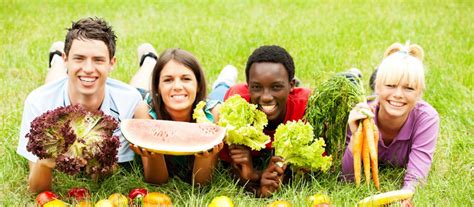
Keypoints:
(227, 76)
(356, 72)
(146, 50)
(57, 48)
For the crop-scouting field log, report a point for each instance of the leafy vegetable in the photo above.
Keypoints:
(328, 110)
(294, 141)
(78, 139)
(244, 123)
(199, 114)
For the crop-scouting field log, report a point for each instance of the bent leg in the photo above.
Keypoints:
(147, 58)
(57, 69)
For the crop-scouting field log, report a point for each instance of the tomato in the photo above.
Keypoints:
(137, 192)
(280, 204)
(155, 198)
(55, 203)
(118, 200)
(45, 197)
(79, 193)
(221, 201)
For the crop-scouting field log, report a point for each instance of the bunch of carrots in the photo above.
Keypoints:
(365, 144)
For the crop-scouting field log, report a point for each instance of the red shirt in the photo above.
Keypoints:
(295, 109)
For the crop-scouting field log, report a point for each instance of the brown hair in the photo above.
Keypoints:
(91, 28)
(187, 59)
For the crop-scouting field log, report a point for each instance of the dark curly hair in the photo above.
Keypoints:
(274, 54)
(91, 28)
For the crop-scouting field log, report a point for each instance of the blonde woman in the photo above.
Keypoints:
(408, 126)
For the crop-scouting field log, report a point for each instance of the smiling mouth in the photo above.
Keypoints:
(268, 109)
(396, 103)
(179, 97)
(87, 79)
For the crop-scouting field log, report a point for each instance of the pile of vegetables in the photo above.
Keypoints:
(328, 110)
(295, 142)
(80, 197)
(79, 140)
(243, 121)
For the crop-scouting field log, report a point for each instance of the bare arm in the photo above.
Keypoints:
(41, 175)
(204, 164)
(154, 165)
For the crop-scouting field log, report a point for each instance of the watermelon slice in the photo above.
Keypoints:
(172, 137)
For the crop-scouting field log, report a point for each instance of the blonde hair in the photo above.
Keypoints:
(402, 63)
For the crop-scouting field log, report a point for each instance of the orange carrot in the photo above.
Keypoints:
(376, 136)
(368, 128)
(375, 169)
(356, 150)
(365, 155)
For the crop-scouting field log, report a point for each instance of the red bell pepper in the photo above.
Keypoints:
(136, 196)
(45, 197)
(79, 193)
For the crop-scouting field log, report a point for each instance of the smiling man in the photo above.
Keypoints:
(271, 86)
(79, 75)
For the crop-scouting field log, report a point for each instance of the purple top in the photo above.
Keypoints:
(412, 148)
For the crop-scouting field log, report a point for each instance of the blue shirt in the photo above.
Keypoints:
(119, 102)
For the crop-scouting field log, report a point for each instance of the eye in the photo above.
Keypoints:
(390, 85)
(255, 87)
(408, 88)
(166, 80)
(277, 87)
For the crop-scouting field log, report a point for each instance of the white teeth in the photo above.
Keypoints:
(178, 97)
(268, 109)
(87, 79)
(394, 103)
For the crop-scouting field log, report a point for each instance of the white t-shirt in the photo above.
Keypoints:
(119, 102)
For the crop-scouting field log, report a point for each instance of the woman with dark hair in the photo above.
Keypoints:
(177, 86)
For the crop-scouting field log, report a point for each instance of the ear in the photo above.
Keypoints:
(292, 83)
(113, 61)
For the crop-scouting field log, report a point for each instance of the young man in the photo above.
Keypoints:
(270, 85)
(79, 77)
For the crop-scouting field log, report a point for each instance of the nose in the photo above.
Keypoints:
(398, 92)
(88, 66)
(266, 96)
(177, 85)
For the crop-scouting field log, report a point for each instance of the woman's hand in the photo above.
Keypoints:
(143, 152)
(272, 176)
(407, 203)
(242, 162)
(207, 154)
(359, 112)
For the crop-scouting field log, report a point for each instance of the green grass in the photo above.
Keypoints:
(323, 37)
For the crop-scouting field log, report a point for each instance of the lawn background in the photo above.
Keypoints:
(323, 37)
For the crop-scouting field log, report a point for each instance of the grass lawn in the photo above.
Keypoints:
(323, 37)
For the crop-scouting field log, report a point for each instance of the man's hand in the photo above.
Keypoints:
(272, 177)
(242, 162)
(48, 162)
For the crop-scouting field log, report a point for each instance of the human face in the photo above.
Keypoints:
(269, 89)
(397, 100)
(178, 88)
(88, 64)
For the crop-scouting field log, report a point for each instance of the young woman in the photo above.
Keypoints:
(408, 126)
(177, 85)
